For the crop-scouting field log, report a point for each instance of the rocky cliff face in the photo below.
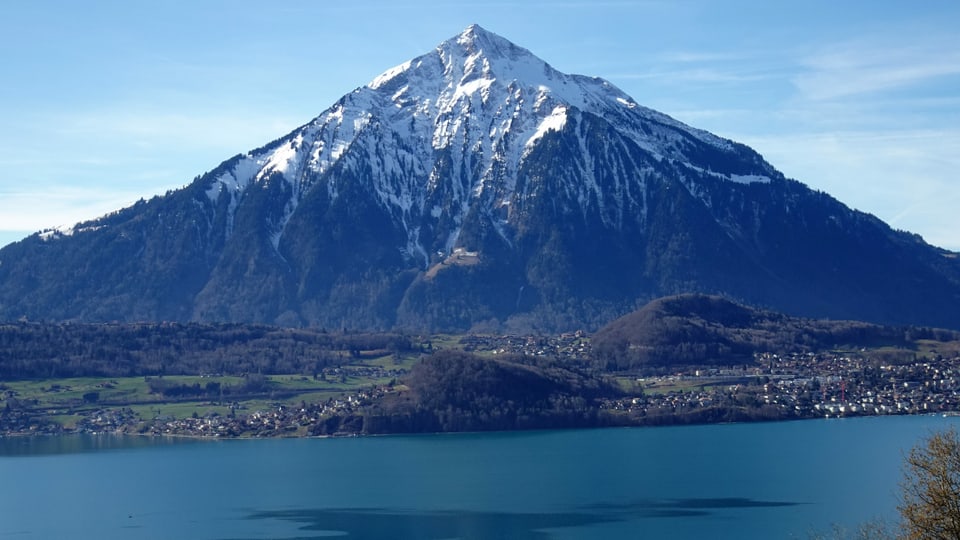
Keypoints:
(476, 185)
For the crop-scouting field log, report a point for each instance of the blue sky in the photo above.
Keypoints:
(105, 102)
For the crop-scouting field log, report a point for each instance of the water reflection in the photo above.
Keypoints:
(75, 444)
(372, 523)
(653, 508)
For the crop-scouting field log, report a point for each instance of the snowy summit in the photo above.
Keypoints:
(477, 185)
(479, 95)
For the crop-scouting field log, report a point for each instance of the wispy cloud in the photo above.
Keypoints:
(697, 57)
(692, 75)
(129, 147)
(906, 177)
(700, 66)
(61, 205)
(871, 66)
(224, 129)
(64, 168)
(870, 120)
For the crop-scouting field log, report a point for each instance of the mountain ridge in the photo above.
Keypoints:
(576, 204)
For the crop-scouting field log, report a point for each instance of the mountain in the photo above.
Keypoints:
(697, 330)
(476, 186)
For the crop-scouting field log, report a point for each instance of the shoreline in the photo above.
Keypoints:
(664, 422)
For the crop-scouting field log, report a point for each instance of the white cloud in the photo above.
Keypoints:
(692, 75)
(856, 68)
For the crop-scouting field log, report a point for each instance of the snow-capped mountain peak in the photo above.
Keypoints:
(474, 39)
(484, 104)
(477, 185)
(478, 63)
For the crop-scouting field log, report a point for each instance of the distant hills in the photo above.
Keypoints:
(58, 351)
(693, 329)
(476, 187)
(397, 383)
(669, 332)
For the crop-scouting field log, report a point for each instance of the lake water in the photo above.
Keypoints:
(742, 481)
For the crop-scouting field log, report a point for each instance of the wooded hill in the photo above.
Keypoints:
(689, 330)
(38, 350)
(683, 330)
(510, 383)
(458, 391)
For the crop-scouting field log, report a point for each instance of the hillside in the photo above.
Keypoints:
(689, 330)
(51, 351)
(457, 391)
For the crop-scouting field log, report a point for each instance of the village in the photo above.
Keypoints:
(803, 386)
(807, 385)
(774, 387)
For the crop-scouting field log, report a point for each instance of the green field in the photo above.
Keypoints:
(68, 400)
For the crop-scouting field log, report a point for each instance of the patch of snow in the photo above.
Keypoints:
(213, 192)
(451, 240)
(483, 103)
(414, 248)
(471, 88)
(500, 225)
(66, 230)
(280, 159)
(554, 122)
(389, 74)
(399, 94)
(234, 180)
(288, 210)
(749, 179)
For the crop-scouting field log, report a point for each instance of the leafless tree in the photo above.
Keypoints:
(930, 490)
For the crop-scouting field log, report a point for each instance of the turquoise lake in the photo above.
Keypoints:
(740, 481)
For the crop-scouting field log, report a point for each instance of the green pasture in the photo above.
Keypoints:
(64, 398)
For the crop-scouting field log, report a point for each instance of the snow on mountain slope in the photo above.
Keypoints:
(480, 101)
(477, 185)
